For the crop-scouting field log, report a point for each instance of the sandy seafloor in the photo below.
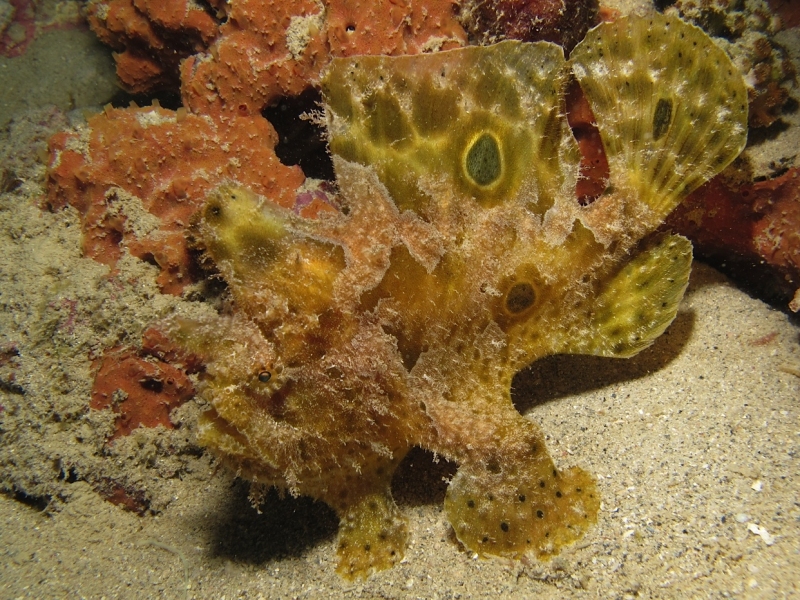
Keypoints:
(694, 442)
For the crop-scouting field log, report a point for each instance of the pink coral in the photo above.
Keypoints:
(168, 161)
(753, 229)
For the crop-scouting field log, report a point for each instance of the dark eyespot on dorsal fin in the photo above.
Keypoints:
(670, 116)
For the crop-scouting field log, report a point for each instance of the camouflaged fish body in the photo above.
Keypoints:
(461, 256)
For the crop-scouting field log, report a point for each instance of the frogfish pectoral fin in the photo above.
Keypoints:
(638, 303)
(372, 535)
(520, 503)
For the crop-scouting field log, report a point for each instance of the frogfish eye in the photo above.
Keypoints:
(213, 211)
(264, 376)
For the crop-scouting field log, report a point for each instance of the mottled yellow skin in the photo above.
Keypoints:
(462, 255)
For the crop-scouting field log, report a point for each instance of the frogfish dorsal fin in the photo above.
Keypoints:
(692, 96)
(478, 123)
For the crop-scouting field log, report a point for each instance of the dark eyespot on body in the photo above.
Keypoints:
(483, 162)
(520, 297)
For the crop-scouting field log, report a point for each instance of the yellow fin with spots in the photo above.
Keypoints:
(639, 302)
(691, 95)
(372, 536)
(483, 123)
(520, 503)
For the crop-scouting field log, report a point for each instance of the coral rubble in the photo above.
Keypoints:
(460, 255)
(747, 31)
(22, 21)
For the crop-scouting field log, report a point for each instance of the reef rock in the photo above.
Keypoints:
(137, 175)
(751, 232)
(152, 37)
(563, 22)
(460, 255)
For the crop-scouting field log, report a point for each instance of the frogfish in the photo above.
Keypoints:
(457, 255)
